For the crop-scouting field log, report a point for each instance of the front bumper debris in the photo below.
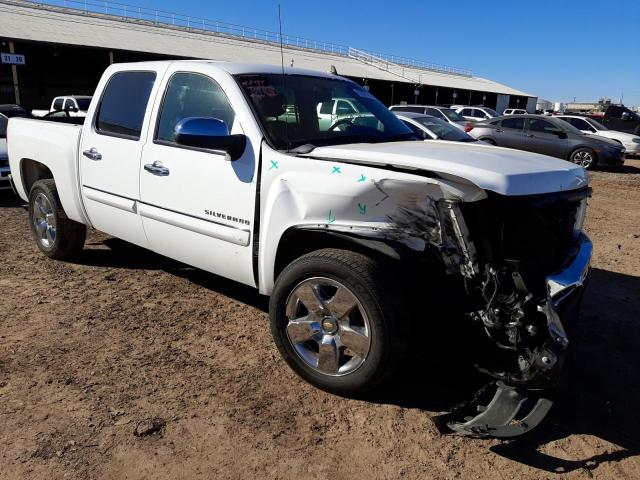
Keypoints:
(506, 410)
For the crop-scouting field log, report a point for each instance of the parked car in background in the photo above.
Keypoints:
(620, 118)
(73, 105)
(550, 136)
(7, 112)
(432, 128)
(514, 111)
(348, 231)
(443, 113)
(588, 125)
(477, 114)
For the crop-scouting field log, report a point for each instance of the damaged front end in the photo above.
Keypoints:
(522, 261)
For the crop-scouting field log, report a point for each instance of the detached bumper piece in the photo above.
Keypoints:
(510, 407)
(509, 413)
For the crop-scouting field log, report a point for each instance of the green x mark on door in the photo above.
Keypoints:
(274, 164)
(336, 170)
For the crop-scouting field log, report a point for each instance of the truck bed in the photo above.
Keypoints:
(54, 143)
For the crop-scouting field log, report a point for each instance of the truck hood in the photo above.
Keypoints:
(501, 170)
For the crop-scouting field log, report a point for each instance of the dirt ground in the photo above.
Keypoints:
(123, 341)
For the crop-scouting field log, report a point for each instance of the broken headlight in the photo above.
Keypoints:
(580, 216)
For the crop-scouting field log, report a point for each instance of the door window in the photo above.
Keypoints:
(541, 126)
(467, 112)
(69, 104)
(344, 108)
(57, 104)
(124, 103)
(513, 123)
(478, 113)
(191, 95)
(326, 108)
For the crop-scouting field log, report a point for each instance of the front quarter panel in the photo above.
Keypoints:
(306, 192)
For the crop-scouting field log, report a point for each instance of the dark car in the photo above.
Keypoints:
(620, 118)
(550, 136)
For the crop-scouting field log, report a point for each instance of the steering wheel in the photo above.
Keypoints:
(344, 121)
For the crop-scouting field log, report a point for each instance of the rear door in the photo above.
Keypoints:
(197, 205)
(510, 133)
(542, 139)
(110, 150)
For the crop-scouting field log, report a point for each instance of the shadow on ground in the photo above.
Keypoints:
(601, 390)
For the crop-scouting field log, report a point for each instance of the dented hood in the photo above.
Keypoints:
(501, 170)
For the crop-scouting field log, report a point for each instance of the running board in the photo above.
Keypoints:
(500, 418)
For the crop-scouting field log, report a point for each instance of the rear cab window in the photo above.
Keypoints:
(58, 104)
(123, 104)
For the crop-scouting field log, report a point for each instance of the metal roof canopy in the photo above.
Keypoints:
(26, 20)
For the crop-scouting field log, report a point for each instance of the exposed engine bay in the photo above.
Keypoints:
(510, 253)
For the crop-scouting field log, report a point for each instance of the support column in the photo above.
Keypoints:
(110, 57)
(14, 74)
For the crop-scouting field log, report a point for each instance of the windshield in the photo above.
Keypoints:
(452, 115)
(83, 103)
(304, 110)
(490, 111)
(444, 130)
(595, 124)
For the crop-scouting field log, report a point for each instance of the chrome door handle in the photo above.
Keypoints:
(157, 169)
(92, 154)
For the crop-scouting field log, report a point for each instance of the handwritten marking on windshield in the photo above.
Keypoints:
(331, 218)
(362, 178)
(336, 170)
(274, 164)
(362, 208)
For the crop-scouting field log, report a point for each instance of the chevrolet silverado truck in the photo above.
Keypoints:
(226, 167)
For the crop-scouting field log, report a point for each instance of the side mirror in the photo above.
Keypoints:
(209, 133)
(626, 116)
(559, 133)
(71, 108)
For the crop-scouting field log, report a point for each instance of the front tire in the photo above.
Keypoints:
(585, 157)
(338, 322)
(55, 234)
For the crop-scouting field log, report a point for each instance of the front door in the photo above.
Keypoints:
(197, 206)
(542, 138)
(110, 152)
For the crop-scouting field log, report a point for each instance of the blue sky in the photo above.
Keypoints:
(553, 49)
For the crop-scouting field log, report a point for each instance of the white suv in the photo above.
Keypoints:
(477, 114)
(514, 111)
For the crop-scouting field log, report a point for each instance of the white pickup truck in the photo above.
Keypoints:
(70, 106)
(361, 233)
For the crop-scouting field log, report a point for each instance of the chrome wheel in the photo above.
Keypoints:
(327, 326)
(584, 158)
(44, 221)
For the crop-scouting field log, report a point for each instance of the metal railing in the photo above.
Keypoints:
(152, 16)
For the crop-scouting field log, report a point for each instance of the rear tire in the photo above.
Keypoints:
(585, 157)
(338, 320)
(55, 234)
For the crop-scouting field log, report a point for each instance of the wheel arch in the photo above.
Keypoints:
(297, 241)
(31, 171)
